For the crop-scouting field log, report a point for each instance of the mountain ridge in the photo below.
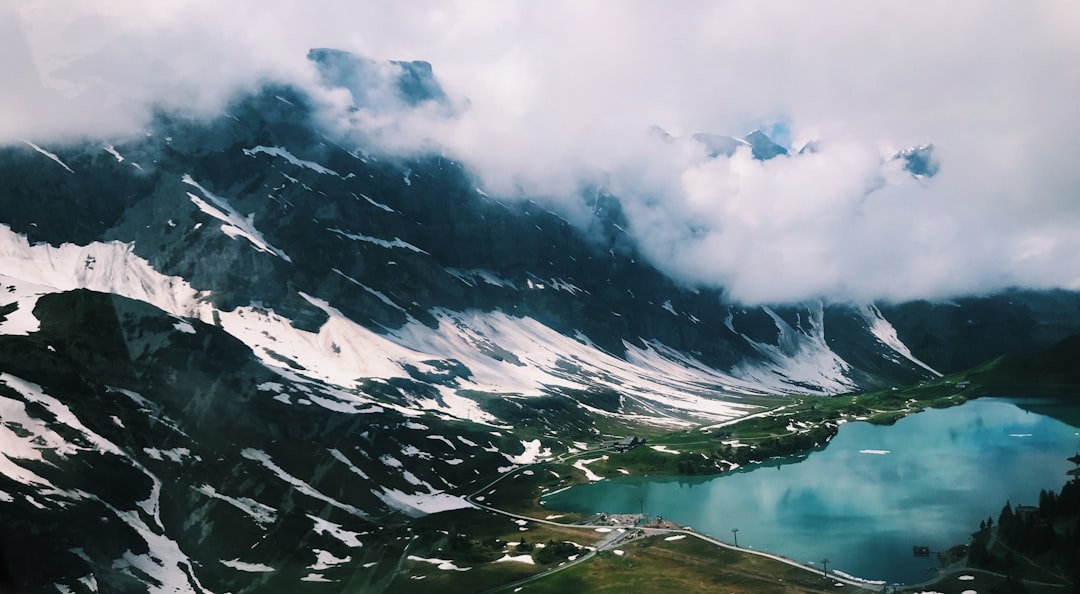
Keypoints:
(234, 342)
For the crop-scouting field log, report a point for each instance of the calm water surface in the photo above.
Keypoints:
(875, 492)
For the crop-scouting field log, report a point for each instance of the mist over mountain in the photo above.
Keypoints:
(541, 120)
(251, 334)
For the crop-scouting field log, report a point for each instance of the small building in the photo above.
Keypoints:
(1027, 513)
(627, 443)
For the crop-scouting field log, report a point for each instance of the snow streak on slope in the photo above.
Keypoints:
(472, 277)
(277, 151)
(261, 514)
(521, 355)
(48, 154)
(884, 331)
(377, 294)
(376, 203)
(31, 271)
(420, 504)
(234, 224)
(397, 242)
(801, 360)
(302, 487)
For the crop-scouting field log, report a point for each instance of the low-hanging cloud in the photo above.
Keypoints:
(565, 95)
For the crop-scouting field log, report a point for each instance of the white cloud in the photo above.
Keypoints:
(563, 93)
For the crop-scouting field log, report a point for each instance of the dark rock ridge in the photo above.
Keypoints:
(411, 83)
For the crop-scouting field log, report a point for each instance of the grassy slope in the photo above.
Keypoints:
(490, 535)
(1053, 371)
(688, 565)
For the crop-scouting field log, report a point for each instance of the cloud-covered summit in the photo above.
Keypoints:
(547, 98)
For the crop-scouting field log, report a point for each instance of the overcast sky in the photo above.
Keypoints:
(562, 94)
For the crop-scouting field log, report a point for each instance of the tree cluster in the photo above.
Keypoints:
(1048, 535)
(554, 551)
(474, 551)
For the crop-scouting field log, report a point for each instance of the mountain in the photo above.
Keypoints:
(761, 146)
(242, 354)
(370, 82)
(920, 160)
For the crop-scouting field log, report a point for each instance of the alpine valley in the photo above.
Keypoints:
(245, 354)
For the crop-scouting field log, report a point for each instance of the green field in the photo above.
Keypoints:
(688, 565)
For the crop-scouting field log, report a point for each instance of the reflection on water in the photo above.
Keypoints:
(875, 492)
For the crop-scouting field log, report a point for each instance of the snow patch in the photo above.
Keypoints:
(277, 151)
(264, 459)
(444, 440)
(248, 567)
(527, 559)
(531, 454)
(30, 271)
(48, 154)
(419, 504)
(886, 333)
(348, 463)
(176, 454)
(443, 564)
(326, 527)
(377, 204)
(262, 514)
(582, 465)
(112, 151)
(234, 225)
(326, 560)
(801, 360)
(395, 243)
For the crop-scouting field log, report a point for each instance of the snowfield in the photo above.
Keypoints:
(505, 354)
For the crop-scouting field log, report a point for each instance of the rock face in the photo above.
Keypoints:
(920, 160)
(230, 344)
(371, 82)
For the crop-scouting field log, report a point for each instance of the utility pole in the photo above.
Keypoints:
(735, 533)
(825, 565)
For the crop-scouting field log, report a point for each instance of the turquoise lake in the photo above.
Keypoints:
(872, 494)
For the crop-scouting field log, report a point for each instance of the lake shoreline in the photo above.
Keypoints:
(851, 455)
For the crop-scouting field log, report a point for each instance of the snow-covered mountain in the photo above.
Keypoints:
(236, 353)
